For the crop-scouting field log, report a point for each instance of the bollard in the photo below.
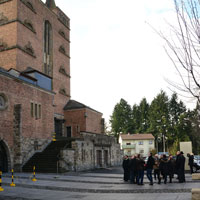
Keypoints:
(12, 184)
(54, 137)
(34, 179)
(1, 189)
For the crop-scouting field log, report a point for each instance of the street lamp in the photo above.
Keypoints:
(162, 135)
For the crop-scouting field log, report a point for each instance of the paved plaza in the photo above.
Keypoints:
(103, 184)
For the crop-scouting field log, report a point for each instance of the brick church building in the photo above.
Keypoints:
(35, 101)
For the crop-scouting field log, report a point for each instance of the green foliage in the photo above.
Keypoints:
(165, 116)
(121, 118)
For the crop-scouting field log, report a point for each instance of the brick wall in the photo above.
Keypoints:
(17, 33)
(87, 120)
(20, 93)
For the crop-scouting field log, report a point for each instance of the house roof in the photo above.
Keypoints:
(146, 136)
(72, 104)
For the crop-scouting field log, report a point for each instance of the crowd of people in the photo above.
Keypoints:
(157, 168)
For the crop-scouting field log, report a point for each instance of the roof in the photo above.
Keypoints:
(72, 104)
(31, 70)
(141, 136)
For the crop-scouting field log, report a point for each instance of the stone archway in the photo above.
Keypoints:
(3, 157)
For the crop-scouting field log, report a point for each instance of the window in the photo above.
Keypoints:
(39, 111)
(48, 48)
(36, 110)
(32, 110)
(150, 141)
(69, 131)
(140, 142)
(128, 143)
(3, 101)
(77, 129)
(141, 151)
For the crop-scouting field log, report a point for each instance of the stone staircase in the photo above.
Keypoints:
(47, 161)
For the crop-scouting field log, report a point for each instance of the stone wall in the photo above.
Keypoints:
(90, 152)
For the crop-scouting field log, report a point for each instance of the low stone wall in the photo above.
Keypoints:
(196, 176)
(90, 152)
(66, 162)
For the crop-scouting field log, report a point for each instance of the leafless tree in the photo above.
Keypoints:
(183, 47)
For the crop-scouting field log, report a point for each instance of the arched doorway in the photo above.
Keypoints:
(3, 158)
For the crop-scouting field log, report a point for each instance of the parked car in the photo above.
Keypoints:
(197, 159)
(196, 166)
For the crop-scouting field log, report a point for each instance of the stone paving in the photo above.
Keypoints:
(103, 184)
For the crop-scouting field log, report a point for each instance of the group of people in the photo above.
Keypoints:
(161, 167)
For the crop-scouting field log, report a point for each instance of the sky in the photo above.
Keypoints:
(115, 53)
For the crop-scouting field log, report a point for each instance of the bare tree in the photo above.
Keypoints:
(183, 47)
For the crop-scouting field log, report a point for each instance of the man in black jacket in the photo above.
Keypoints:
(181, 167)
(191, 162)
(149, 167)
(133, 169)
(126, 168)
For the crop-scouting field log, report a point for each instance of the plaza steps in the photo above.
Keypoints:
(47, 161)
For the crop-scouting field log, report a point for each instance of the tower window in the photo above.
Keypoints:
(48, 48)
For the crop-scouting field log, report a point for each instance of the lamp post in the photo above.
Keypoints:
(162, 135)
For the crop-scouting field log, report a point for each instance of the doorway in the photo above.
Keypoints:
(99, 158)
(3, 158)
(58, 127)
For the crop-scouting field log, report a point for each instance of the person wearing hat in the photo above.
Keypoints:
(181, 167)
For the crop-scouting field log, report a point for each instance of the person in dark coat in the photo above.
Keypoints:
(191, 162)
(164, 167)
(170, 166)
(125, 166)
(181, 168)
(149, 167)
(176, 163)
(140, 169)
(133, 169)
(156, 169)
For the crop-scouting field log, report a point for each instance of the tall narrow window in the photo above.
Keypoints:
(39, 111)
(32, 110)
(36, 111)
(48, 49)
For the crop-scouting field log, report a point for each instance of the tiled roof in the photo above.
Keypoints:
(137, 136)
(72, 104)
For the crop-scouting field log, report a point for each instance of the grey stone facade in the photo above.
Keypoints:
(90, 152)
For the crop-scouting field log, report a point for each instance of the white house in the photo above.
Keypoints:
(137, 144)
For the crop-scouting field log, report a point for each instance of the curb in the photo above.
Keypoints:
(81, 190)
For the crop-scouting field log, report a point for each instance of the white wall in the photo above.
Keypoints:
(146, 147)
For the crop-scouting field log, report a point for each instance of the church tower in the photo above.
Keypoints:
(33, 37)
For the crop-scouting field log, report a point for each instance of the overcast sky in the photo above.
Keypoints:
(115, 53)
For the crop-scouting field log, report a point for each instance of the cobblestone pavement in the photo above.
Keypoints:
(104, 184)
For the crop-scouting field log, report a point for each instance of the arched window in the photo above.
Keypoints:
(48, 53)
